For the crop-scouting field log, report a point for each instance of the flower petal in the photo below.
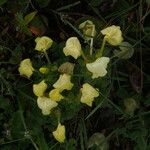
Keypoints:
(26, 68)
(98, 67)
(88, 94)
(73, 47)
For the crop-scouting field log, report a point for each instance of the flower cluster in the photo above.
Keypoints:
(48, 100)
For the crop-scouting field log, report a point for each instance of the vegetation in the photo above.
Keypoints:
(74, 75)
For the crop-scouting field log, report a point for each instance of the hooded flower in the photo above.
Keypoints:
(113, 35)
(40, 88)
(63, 83)
(55, 95)
(43, 43)
(88, 94)
(26, 68)
(59, 133)
(88, 29)
(73, 47)
(46, 105)
(98, 67)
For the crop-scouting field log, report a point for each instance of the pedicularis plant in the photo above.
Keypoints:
(77, 81)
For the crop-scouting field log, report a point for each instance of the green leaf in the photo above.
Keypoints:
(21, 24)
(29, 17)
(126, 51)
(2, 2)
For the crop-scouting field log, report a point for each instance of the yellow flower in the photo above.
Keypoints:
(43, 43)
(46, 105)
(88, 29)
(40, 88)
(113, 35)
(59, 133)
(63, 83)
(98, 67)
(55, 95)
(88, 94)
(26, 68)
(43, 70)
(73, 47)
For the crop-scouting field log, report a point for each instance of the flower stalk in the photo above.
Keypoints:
(48, 60)
(100, 52)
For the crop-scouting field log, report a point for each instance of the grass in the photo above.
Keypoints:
(22, 125)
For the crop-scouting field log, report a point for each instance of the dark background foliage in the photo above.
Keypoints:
(22, 126)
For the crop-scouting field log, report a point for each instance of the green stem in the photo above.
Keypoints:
(100, 52)
(83, 55)
(92, 39)
(48, 60)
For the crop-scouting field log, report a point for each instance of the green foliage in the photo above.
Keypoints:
(118, 118)
(2, 2)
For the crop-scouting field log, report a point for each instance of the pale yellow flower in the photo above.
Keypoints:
(60, 133)
(88, 29)
(46, 105)
(63, 83)
(98, 67)
(73, 47)
(43, 70)
(26, 68)
(113, 35)
(43, 43)
(88, 94)
(40, 88)
(55, 95)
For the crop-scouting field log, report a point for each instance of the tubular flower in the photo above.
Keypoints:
(73, 47)
(88, 94)
(98, 67)
(59, 133)
(88, 29)
(55, 95)
(113, 35)
(26, 68)
(40, 88)
(46, 105)
(63, 83)
(43, 43)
